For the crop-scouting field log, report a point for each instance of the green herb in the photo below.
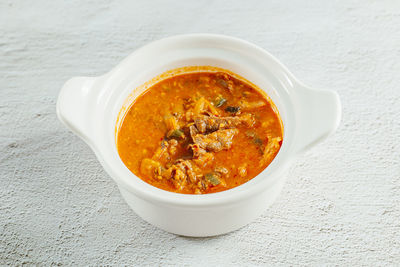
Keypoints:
(176, 134)
(257, 141)
(219, 101)
(212, 178)
(232, 109)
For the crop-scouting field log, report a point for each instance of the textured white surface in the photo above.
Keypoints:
(341, 204)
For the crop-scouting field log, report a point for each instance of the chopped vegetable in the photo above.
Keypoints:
(251, 105)
(212, 178)
(178, 110)
(256, 140)
(171, 122)
(242, 171)
(203, 106)
(221, 170)
(250, 134)
(222, 82)
(166, 87)
(246, 93)
(232, 109)
(219, 101)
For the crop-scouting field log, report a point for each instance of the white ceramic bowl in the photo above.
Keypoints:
(89, 106)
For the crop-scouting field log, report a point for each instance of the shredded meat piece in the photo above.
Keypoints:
(216, 141)
(212, 123)
(200, 156)
(179, 178)
(151, 168)
(193, 131)
(165, 150)
(187, 165)
(181, 173)
(270, 150)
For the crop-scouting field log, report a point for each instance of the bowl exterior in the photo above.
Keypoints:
(206, 221)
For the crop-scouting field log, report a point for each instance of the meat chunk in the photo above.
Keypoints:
(216, 141)
(213, 123)
(270, 150)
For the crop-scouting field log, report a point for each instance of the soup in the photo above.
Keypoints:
(199, 133)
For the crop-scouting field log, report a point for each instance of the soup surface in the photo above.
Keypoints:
(199, 133)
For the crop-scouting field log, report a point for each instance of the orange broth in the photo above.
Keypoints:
(199, 133)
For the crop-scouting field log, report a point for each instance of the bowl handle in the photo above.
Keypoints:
(73, 105)
(318, 114)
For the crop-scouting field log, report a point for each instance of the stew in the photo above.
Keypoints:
(199, 133)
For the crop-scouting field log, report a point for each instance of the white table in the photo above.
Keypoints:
(340, 205)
